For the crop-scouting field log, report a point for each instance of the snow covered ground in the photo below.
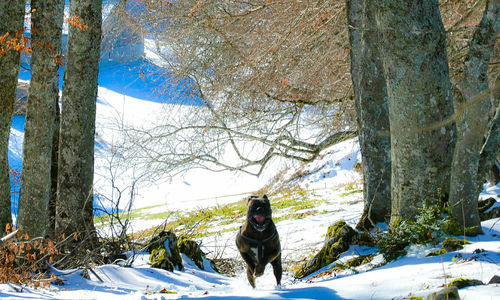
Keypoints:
(332, 179)
(412, 275)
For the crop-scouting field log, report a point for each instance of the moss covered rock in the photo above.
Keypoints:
(484, 205)
(338, 238)
(355, 262)
(453, 244)
(192, 250)
(491, 214)
(463, 282)
(449, 293)
(365, 239)
(437, 252)
(165, 252)
(495, 279)
(340, 230)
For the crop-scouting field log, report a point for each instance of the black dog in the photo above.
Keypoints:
(258, 240)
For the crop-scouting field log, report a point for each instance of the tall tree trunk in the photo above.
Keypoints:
(46, 31)
(372, 112)
(74, 211)
(472, 122)
(11, 22)
(419, 93)
(51, 207)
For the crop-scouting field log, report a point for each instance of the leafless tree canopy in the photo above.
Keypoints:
(272, 78)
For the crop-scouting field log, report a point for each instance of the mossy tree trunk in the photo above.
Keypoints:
(46, 31)
(472, 121)
(11, 22)
(74, 211)
(415, 64)
(372, 112)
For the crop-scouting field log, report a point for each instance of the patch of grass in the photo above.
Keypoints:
(291, 203)
(350, 193)
(351, 188)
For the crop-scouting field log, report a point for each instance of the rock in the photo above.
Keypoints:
(365, 239)
(192, 250)
(484, 205)
(463, 282)
(165, 252)
(340, 230)
(338, 239)
(492, 214)
(354, 262)
(437, 252)
(449, 293)
(494, 279)
(453, 244)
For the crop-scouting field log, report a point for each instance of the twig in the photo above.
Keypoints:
(11, 236)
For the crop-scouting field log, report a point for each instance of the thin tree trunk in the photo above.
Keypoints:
(11, 22)
(473, 122)
(43, 93)
(419, 93)
(493, 175)
(372, 112)
(492, 145)
(74, 211)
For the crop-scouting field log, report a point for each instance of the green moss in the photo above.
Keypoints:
(160, 259)
(463, 282)
(454, 244)
(438, 252)
(355, 262)
(335, 228)
(192, 250)
(449, 293)
(340, 229)
(451, 226)
(164, 251)
(415, 298)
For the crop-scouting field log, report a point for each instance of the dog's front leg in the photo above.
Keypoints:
(277, 269)
(250, 268)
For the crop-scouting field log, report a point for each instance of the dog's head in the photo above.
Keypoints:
(259, 212)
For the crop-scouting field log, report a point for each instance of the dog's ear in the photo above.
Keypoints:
(251, 198)
(265, 198)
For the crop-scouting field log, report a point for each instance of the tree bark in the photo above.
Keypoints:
(419, 94)
(492, 145)
(74, 211)
(472, 121)
(372, 112)
(46, 31)
(51, 207)
(11, 21)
